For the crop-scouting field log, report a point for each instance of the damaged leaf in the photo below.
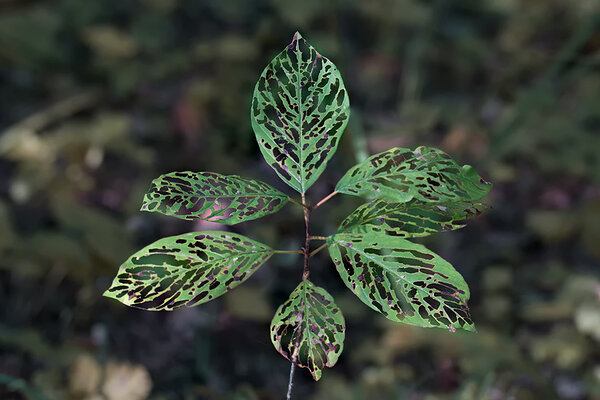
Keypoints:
(187, 270)
(404, 281)
(299, 111)
(412, 219)
(399, 175)
(309, 328)
(228, 199)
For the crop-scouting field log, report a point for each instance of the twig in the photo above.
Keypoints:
(317, 250)
(318, 238)
(288, 251)
(324, 200)
(305, 275)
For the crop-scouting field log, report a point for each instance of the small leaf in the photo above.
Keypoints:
(399, 175)
(411, 219)
(299, 111)
(309, 327)
(404, 281)
(187, 270)
(228, 199)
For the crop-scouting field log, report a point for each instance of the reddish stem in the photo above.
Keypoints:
(324, 200)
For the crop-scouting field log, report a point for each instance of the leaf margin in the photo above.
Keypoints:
(117, 289)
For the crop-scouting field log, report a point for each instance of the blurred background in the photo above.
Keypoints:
(98, 97)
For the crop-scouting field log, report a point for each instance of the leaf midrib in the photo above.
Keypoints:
(386, 268)
(228, 196)
(310, 335)
(388, 214)
(409, 172)
(300, 116)
(216, 260)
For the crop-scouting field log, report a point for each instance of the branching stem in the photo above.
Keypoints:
(306, 270)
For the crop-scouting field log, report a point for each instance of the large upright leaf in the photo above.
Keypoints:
(404, 281)
(299, 111)
(213, 197)
(411, 219)
(399, 175)
(187, 270)
(310, 326)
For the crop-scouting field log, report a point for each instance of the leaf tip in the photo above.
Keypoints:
(465, 328)
(297, 36)
(316, 375)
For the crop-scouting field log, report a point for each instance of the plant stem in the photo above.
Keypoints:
(305, 272)
(317, 250)
(288, 251)
(293, 361)
(324, 200)
(305, 275)
(291, 381)
(318, 238)
(306, 249)
(298, 203)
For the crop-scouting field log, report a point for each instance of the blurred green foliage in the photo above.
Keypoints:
(98, 97)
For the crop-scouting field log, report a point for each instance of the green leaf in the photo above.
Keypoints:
(299, 111)
(411, 219)
(399, 175)
(187, 270)
(228, 199)
(404, 281)
(309, 327)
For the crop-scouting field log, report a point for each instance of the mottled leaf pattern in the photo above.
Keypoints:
(227, 199)
(311, 326)
(404, 281)
(299, 111)
(399, 175)
(411, 219)
(187, 270)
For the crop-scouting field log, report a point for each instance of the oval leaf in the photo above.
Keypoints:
(309, 327)
(187, 270)
(399, 175)
(299, 111)
(228, 199)
(404, 281)
(411, 219)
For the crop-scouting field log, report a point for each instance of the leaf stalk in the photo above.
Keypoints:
(318, 238)
(318, 249)
(324, 200)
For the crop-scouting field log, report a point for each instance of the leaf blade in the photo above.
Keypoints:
(187, 270)
(404, 281)
(410, 219)
(299, 111)
(227, 199)
(399, 175)
(310, 326)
